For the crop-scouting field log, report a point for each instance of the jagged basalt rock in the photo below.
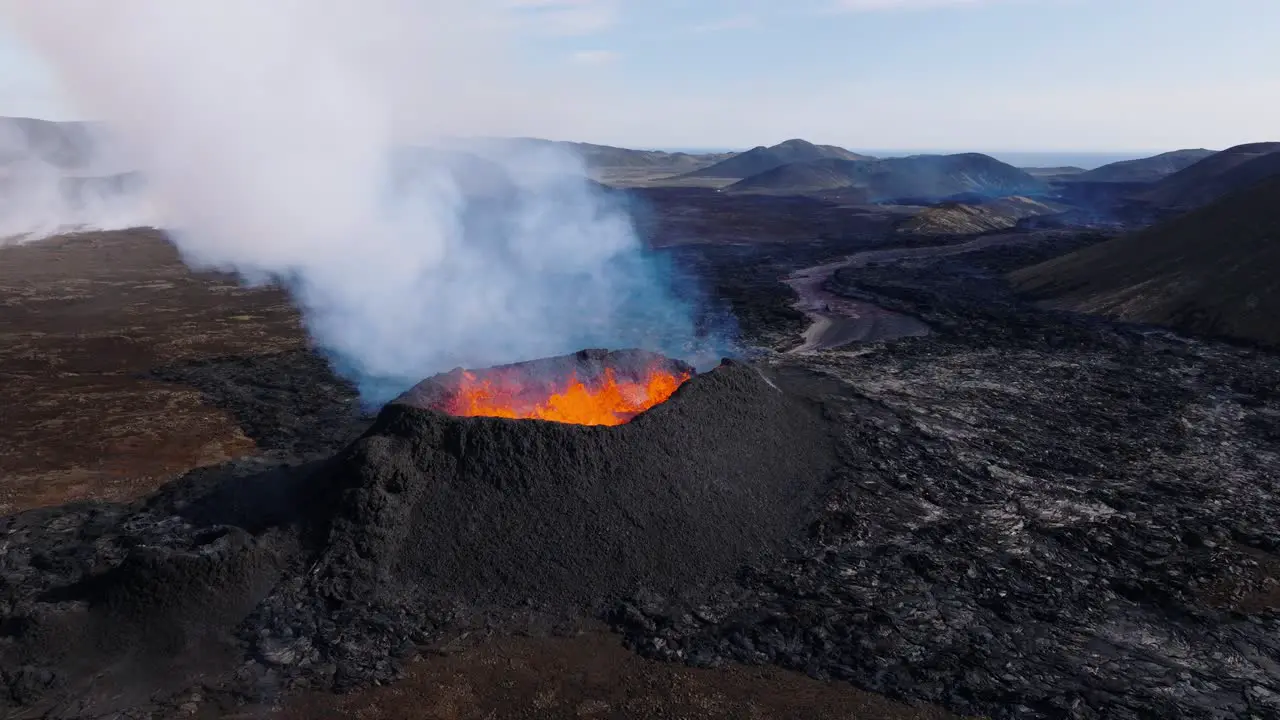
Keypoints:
(1041, 515)
(139, 599)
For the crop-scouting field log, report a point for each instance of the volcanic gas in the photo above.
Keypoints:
(592, 387)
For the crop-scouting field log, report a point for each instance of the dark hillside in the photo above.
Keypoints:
(762, 159)
(1214, 271)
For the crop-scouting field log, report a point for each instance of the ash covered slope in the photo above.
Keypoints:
(1213, 177)
(919, 176)
(1148, 169)
(1214, 271)
(762, 159)
(321, 576)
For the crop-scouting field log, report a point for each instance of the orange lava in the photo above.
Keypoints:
(606, 402)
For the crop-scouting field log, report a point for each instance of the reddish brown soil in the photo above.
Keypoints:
(82, 319)
(593, 676)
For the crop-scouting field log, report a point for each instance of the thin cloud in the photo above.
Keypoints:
(904, 5)
(735, 22)
(594, 57)
(567, 17)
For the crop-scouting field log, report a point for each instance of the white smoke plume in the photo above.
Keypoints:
(38, 200)
(61, 177)
(274, 138)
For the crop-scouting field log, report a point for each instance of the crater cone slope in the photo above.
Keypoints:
(495, 509)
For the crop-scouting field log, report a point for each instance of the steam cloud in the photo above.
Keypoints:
(61, 178)
(283, 140)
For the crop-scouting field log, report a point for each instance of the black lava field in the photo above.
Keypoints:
(1021, 513)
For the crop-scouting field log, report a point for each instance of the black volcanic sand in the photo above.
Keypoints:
(252, 578)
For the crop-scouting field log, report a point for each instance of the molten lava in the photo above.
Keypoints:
(604, 401)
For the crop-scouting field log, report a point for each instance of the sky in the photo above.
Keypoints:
(984, 75)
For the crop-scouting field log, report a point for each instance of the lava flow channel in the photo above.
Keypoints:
(608, 401)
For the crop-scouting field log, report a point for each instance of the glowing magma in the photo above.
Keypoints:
(608, 401)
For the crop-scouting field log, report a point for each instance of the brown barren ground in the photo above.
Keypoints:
(83, 318)
(656, 177)
(593, 676)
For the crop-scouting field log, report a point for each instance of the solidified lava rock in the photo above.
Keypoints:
(323, 575)
(1041, 515)
(125, 601)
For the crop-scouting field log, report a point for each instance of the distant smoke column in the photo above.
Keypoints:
(265, 130)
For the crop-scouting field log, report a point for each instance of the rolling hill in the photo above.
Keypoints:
(1148, 169)
(920, 177)
(1213, 271)
(1213, 177)
(607, 156)
(1047, 173)
(802, 177)
(762, 159)
(960, 218)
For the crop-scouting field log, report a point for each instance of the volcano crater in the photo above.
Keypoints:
(499, 510)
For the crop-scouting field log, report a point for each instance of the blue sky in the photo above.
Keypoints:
(1098, 75)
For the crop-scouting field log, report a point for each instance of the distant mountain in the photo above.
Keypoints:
(1214, 271)
(970, 218)
(1148, 169)
(762, 159)
(605, 156)
(918, 177)
(1213, 177)
(595, 157)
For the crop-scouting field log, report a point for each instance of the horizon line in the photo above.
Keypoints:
(697, 148)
